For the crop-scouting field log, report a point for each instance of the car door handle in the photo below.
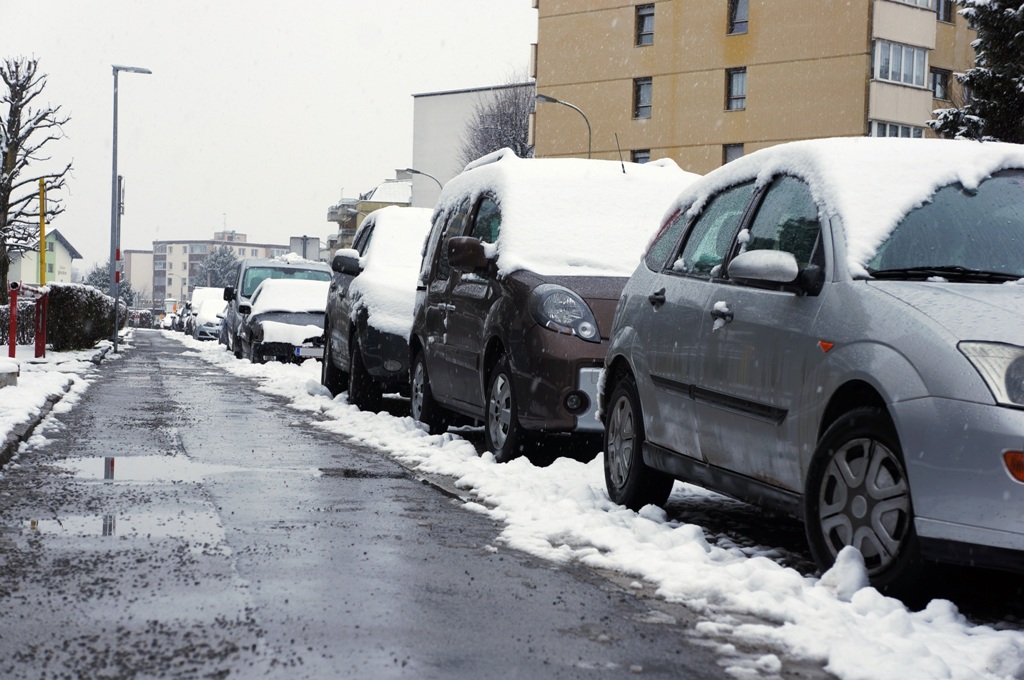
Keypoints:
(657, 299)
(722, 314)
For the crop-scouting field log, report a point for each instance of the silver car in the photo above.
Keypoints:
(835, 329)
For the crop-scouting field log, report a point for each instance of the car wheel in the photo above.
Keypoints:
(236, 347)
(629, 480)
(332, 377)
(503, 434)
(363, 390)
(421, 399)
(858, 495)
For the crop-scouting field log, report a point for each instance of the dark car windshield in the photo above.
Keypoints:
(960, 235)
(254, 276)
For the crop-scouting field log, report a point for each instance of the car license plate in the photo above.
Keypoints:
(305, 352)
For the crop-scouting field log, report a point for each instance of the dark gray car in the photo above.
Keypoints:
(834, 329)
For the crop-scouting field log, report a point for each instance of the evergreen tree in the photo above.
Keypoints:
(993, 107)
(99, 278)
(218, 269)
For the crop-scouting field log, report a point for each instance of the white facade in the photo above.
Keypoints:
(59, 256)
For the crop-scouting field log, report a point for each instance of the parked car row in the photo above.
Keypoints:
(830, 328)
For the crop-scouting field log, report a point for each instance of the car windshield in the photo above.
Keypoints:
(254, 276)
(960, 235)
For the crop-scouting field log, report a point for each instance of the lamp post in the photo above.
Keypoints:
(414, 171)
(114, 204)
(544, 99)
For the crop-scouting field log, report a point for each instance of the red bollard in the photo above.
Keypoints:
(13, 336)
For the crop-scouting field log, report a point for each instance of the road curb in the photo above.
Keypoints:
(23, 430)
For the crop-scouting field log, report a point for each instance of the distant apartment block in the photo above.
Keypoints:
(176, 264)
(705, 82)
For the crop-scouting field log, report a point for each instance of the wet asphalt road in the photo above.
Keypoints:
(275, 549)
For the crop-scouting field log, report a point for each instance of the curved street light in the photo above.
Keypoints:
(414, 171)
(544, 99)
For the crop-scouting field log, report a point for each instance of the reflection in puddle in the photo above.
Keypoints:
(173, 469)
(199, 527)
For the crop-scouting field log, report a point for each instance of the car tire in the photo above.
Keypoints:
(503, 435)
(857, 494)
(236, 348)
(363, 390)
(255, 353)
(332, 377)
(421, 399)
(630, 481)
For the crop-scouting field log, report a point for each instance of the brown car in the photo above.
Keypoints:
(522, 270)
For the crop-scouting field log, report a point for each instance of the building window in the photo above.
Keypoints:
(199, 249)
(49, 268)
(882, 129)
(170, 281)
(170, 250)
(940, 83)
(731, 152)
(642, 97)
(899, 63)
(640, 155)
(739, 11)
(919, 3)
(184, 250)
(49, 246)
(184, 266)
(736, 89)
(944, 8)
(254, 252)
(645, 24)
(241, 251)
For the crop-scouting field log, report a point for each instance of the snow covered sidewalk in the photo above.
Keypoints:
(51, 382)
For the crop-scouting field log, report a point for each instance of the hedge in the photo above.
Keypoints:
(78, 316)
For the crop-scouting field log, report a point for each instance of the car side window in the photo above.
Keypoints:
(787, 220)
(456, 226)
(363, 240)
(488, 221)
(713, 232)
(665, 241)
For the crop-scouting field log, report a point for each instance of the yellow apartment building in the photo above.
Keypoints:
(705, 81)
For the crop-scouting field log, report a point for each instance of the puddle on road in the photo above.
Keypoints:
(197, 527)
(153, 469)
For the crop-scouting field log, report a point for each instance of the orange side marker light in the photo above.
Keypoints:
(1014, 461)
(825, 345)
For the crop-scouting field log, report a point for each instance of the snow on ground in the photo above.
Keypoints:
(562, 513)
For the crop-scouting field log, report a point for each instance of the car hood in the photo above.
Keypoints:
(969, 311)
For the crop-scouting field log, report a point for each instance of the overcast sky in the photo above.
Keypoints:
(258, 113)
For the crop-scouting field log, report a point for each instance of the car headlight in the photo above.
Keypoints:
(563, 311)
(1002, 368)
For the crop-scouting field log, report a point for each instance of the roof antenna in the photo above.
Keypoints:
(620, 153)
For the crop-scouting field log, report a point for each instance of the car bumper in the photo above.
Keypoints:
(547, 370)
(207, 333)
(963, 494)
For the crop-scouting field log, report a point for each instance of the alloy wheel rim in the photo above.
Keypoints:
(621, 441)
(864, 501)
(499, 411)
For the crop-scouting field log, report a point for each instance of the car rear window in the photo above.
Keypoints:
(254, 276)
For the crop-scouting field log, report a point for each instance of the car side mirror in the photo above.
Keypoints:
(777, 268)
(244, 309)
(346, 262)
(467, 254)
(229, 293)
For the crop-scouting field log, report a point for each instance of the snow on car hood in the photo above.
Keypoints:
(386, 287)
(569, 216)
(290, 295)
(870, 183)
(969, 311)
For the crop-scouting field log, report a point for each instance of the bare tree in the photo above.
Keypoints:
(24, 131)
(500, 119)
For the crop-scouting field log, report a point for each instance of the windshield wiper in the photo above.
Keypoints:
(949, 272)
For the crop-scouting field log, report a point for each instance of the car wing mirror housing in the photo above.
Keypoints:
(467, 254)
(229, 293)
(776, 268)
(244, 309)
(346, 261)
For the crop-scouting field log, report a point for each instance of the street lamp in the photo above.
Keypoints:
(544, 99)
(114, 207)
(414, 171)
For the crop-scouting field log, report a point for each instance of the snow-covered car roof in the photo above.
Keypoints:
(290, 295)
(569, 216)
(869, 183)
(207, 310)
(391, 264)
